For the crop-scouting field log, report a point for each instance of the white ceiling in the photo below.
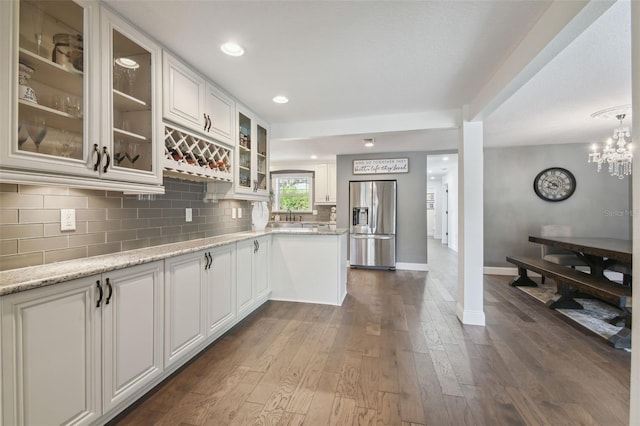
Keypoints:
(440, 164)
(352, 60)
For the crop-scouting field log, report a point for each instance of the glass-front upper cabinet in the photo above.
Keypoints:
(134, 91)
(253, 155)
(76, 114)
(245, 142)
(262, 165)
(50, 121)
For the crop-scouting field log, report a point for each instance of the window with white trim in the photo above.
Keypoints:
(292, 191)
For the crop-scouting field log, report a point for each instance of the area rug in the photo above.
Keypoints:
(595, 316)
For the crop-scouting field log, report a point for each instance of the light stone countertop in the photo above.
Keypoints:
(22, 279)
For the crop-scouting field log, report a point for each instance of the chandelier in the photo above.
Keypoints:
(616, 153)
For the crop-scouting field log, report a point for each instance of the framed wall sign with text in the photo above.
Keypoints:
(380, 166)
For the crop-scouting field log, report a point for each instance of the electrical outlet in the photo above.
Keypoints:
(239, 212)
(188, 215)
(67, 219)
(233, 212)
(315, 212)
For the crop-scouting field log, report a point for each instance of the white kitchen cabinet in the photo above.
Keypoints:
(252, 169)
(79, 348)
(261, 267)
(219, 114)
(197, 104)
(133, 123)
(252, 274)
(325, 183)
(184, 93)
(244, 275)
(184, 311)
(61, 129)
(51, 345)
(309, 268)
(132, 331)
(220, 280)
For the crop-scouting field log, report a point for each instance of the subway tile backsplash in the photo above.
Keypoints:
(106, 221)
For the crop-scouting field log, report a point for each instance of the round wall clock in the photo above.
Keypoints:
(554, 184)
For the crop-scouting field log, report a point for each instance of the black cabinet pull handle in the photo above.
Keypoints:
(106, 153)
(100, 293)
(255, 246)
(210, 260)
(96, 156)
(110, 292)
(205, 122)
(258, 245)
(206, 259)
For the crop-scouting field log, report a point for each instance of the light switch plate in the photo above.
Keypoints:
(315, 212)
(67, 219)
(233, 212)
(188, 215)
(239, 212)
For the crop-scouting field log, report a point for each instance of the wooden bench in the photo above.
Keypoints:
(568, 280)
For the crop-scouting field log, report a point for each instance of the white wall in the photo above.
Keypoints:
(451, 179)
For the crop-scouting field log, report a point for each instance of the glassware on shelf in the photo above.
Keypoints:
(57, 103)
(72, 106)
(25, 91)
(125, 72)
(23, 134)
(37, 17)
(37, 129)
(118, 76)
(64, 149)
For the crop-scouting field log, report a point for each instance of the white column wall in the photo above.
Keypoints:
(470, 307)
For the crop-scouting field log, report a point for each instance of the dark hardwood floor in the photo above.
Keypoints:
(395, 354)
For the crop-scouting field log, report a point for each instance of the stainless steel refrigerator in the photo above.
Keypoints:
(372, 207)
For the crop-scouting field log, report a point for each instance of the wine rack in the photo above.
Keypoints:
(188, 154)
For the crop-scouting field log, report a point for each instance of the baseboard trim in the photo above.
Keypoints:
(406, 266)
(467, 317)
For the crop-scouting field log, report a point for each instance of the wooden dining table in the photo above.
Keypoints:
(598, 253)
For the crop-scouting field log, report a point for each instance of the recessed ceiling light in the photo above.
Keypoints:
(232, 49)
(314, 157)
(368, 142)
(445, 158)
(280, 99)
(432, 178)
(429, 171)
(128, 63)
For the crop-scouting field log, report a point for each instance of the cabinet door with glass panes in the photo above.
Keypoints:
(132, 121)
(49, 79)
(253, 153)
(58, 121)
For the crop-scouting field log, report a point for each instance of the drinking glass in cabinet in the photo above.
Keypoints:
(37, 129)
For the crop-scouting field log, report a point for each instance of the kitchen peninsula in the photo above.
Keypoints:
(124, 322)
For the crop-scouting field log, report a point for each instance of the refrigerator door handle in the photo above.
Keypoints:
(372, 236)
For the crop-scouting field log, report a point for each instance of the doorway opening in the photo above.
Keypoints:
(442, 199)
